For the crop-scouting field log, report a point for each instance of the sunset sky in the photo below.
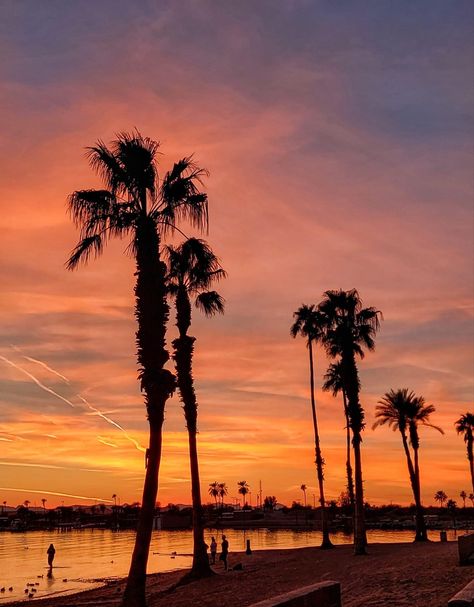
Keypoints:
(338, 136)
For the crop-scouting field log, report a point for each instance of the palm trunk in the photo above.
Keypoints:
(350, 480)
(360, 536)
(157, 384)
(470, 457)
(326, 543)
(421, 533)
(183, 355)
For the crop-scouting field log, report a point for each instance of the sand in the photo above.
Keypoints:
(411, 575)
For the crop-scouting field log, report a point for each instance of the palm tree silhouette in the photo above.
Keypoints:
(303, 489)
(403, 411)
(243, 490)
(214, 491)
(193, 268)
(463, 496)
(465, 426)
(223, 491)
(349, 329)
(43, 501)
(471, 497)
(309, 324)
(333, 382)
(139, 205)
(441, 497)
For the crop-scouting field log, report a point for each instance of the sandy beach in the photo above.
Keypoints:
(408, 575)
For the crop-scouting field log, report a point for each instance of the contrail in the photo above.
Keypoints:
(37, 381)
(40, 362)
(79, 497)
(105, 442)
(111, 421)
(94, 409)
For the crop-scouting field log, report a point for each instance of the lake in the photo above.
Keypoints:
(85, 556)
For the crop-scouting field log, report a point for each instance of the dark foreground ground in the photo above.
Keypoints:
(395, 575)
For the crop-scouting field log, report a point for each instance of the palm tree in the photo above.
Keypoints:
(214, 491)
(333, 382)
(243, 490)
(193, 268)
(303, 489)
(43, 501)
(465, 426)
(309, 324)
(349, 329)
(402, 410)
(471, 497)
(441, 497)
(223, 491)
(137, 204)
(463, 496)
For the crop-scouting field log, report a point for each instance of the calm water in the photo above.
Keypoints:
(83, 557)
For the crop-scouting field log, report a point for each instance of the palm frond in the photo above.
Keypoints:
(210, 302)
(88, 246)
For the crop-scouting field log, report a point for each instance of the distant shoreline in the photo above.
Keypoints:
(396, 574)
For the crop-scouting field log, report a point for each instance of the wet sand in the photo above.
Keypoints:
(405, 575)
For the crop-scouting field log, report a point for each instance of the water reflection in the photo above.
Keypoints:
(84, 556)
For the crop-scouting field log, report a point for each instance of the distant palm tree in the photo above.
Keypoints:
(223, 491)
(192, 269)
(243, 490)
(463, 496)
(349, 330)
(137, 204)
(43, 501)
(402, 410)
(308, 323)
(465, 426)
(441, 497)
(303, 489)
(214, 491)
(26, 503)
(333, 382)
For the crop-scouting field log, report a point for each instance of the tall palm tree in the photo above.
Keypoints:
(465, 426)
(333, 382)
(463, 496)
(471, 497)
(138, 205)
(308, 322)
(223, 491)
(402, 410)
(440, 496)
(349, 329)
(43, 501)
(193, 268)
(243, 490)
(214, 491)
(303, 489)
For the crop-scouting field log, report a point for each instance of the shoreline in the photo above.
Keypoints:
(404, 574)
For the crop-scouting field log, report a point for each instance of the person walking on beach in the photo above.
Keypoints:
(213, 550)
(224, 551)
(51, 552)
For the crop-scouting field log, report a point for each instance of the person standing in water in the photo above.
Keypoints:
(51, 552)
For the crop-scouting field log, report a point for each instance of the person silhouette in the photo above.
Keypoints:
(213, 550)
(224, 551)
(51, 552)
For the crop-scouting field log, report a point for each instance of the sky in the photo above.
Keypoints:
(338, 136)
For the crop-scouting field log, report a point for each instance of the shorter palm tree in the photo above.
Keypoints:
(223, 491)
(441, 497)
(43, 501)
(214, 491)
(465, 426)
(463, 496)
(303, 489)
(471, 497)
(403, 411)
(243, 490)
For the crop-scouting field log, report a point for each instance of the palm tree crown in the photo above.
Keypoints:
(134, 194)
(465, 426)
